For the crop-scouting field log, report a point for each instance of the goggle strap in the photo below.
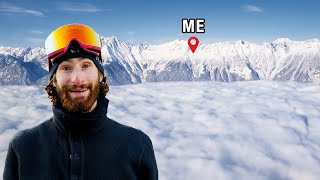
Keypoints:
(49, 64)
(91, 50)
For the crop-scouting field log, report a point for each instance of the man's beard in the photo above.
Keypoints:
(75, 105)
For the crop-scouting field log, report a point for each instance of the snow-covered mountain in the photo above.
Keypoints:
(282, 59)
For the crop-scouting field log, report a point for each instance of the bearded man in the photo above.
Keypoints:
(79, 141)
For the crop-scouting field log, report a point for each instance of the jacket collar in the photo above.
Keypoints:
(80, 122)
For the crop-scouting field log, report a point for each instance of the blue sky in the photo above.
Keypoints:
(28, 23)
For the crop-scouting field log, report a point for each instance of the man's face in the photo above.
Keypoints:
(77, 84)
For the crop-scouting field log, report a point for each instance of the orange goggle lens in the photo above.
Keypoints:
(58, 41)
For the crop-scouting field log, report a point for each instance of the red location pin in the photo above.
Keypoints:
(193, 43)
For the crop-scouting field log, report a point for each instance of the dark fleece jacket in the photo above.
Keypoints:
(86, 146)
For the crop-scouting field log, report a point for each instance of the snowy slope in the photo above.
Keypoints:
(282, 59)
(27, 54)
(250, 130)
(121, 65)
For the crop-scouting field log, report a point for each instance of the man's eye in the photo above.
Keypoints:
(86, 65)
(66, 68)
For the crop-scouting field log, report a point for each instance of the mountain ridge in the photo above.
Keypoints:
(281, 59)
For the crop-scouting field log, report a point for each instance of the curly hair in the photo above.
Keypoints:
(53, 95)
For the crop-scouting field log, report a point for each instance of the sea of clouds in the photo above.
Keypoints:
(202, 130)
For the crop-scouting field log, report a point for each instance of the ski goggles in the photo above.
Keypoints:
(57, 43)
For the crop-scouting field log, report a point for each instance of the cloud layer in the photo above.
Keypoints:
(203, 130)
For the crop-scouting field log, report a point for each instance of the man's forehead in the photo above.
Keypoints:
(78, 59)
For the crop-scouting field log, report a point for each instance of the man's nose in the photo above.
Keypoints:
(77, 76)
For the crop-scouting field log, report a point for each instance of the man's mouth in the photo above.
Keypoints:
(78, 90)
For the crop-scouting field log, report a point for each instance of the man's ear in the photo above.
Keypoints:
(54, 80)
(100, 77)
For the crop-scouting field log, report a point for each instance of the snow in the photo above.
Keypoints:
(282, 59)
(36, 54)
(202, 130)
